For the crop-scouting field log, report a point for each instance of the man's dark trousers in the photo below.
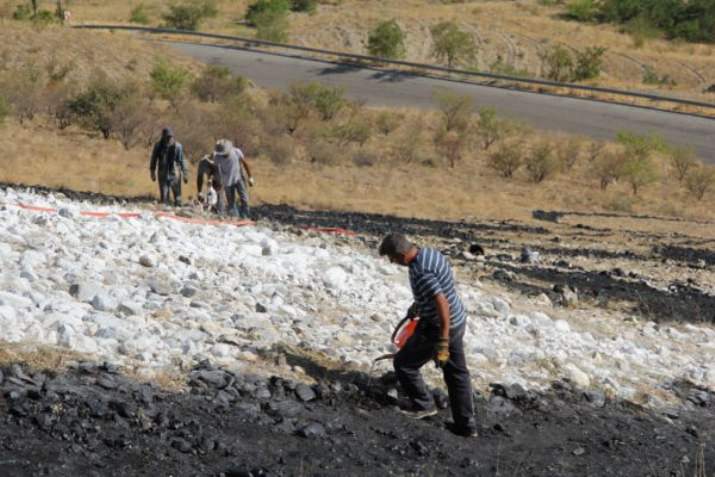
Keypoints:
(421, 349)
(172, 185)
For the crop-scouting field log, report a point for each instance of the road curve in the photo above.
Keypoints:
(385, 88)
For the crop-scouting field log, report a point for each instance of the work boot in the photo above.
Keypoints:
(462, 430)
(415, 412)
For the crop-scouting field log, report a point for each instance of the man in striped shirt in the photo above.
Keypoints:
(438, 336)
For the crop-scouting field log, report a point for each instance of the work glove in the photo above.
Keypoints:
(251, 182)
(153, 177)
(442, 356)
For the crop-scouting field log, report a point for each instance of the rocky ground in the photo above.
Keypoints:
(591, 346)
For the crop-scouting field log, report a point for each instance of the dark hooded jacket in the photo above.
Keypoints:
(167, 159)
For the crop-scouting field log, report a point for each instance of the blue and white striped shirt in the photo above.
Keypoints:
(430, 275)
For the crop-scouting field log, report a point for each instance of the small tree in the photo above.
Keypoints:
(595, 149)
(169, 81)
(582, 10)
(491, 128)
(387, 40)
(451, 144)
(507, 159)
(456, 109)
(541, 163)
(638, 172)
(700, 181)
(23, 90)
(588, 63)
(305, 6)
(452, 44)
(129, 118)
(94, 108)
(683, 161)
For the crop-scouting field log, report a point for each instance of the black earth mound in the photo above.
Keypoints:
(92, 420)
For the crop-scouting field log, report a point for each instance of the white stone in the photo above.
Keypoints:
(576, 376)
(562, 326)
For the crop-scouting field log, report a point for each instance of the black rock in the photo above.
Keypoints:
(262, 393)
(123, 408)
(476, 249)
(312, 430)
(185, 259)
(2, 377)
(420, 448)
(699, 397)
(216, 379)
(597, 398)
(106, 382)
(260, 308)
(304, 392)
(285, 409)
(181, 445)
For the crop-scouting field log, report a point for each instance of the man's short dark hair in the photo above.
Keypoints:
(395, 244)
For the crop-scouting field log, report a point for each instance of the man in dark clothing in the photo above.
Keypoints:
(167, 163)
(438, 336)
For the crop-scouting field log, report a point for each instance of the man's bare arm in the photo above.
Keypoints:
(444, 314)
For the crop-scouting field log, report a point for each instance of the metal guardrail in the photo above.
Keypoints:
(422, 66)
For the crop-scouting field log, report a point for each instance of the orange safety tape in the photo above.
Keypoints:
(332, 230)
(134, 215)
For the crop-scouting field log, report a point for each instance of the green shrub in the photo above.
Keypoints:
(588, 63)
(638, 172)
(641, 145)
(188, 16)
(582, 10)
(272, 26)
(501, 68)
(452, 45)
(700, 181)
(139, 15)
(217, 83)
(387, 40)
(507, 159)
(326, 100)
(304, 6)
(168, 81)
(266, 7)
(94, 107)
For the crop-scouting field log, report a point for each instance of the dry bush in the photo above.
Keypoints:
(217, 83)
(541, 163)
(24, 90)
(456, 109)
(683, 161)
(406, 147)
(451, 144)
(324, 152)
(568, 153)
(357, 130)
(131, 119)
(595, 148)
(700, 180)
(507, 159)
(607, 168)
(387, 121)
(492, 129)
(279, 150)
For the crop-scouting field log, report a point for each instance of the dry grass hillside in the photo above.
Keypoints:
(511, 36)
(77, 55)
(355, 158)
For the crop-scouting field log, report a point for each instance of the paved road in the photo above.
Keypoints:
(591, 118)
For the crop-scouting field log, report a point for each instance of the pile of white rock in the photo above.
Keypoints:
(161, 294)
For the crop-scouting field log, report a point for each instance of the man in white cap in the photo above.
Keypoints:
(228, 161)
